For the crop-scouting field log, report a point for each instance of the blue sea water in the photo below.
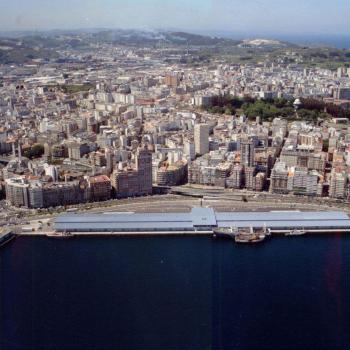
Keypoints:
(175, 293)
(338, 41)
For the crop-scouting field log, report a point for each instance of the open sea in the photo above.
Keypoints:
(175, 293)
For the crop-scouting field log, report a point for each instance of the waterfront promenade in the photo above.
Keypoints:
(43, 225)
(198, 222)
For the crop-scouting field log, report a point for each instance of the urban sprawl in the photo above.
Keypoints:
(118, 122)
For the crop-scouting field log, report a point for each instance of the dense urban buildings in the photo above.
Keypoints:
(201, 139)
(115, 121)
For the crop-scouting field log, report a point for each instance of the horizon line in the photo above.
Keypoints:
(188, 30)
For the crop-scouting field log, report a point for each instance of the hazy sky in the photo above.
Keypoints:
(281, 16)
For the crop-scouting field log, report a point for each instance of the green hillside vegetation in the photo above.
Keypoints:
(21, 55)
(326, 57)
(322, 57)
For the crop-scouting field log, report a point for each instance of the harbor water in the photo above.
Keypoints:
(175, 293)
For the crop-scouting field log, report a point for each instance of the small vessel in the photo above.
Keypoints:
(295, 233)
(224, 232)
(248, 235)
(64, 234)
(249, 238)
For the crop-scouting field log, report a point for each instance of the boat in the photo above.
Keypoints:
(249, 237)
(59, 235)
(295, 233)
(224, 232)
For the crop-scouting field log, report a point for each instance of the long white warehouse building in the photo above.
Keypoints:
(201, 219)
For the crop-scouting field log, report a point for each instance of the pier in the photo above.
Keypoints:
(197, 222)
(202, 221)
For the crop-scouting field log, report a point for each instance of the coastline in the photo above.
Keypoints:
(222, 201)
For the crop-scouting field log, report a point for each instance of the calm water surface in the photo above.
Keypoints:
(175, 293)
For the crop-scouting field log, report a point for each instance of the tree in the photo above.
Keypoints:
(312, 104)
(230, 110)
(36, 151)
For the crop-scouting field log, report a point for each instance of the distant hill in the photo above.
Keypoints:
(136, 37)
(23, 47)
(24, 50)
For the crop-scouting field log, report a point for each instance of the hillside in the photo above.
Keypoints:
(20, 49)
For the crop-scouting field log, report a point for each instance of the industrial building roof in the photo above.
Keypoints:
(125, 218)
(282, 216)
(203, 217)
(199, 218)
(288, 224)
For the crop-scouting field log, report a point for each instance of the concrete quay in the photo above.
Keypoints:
(120, 234)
